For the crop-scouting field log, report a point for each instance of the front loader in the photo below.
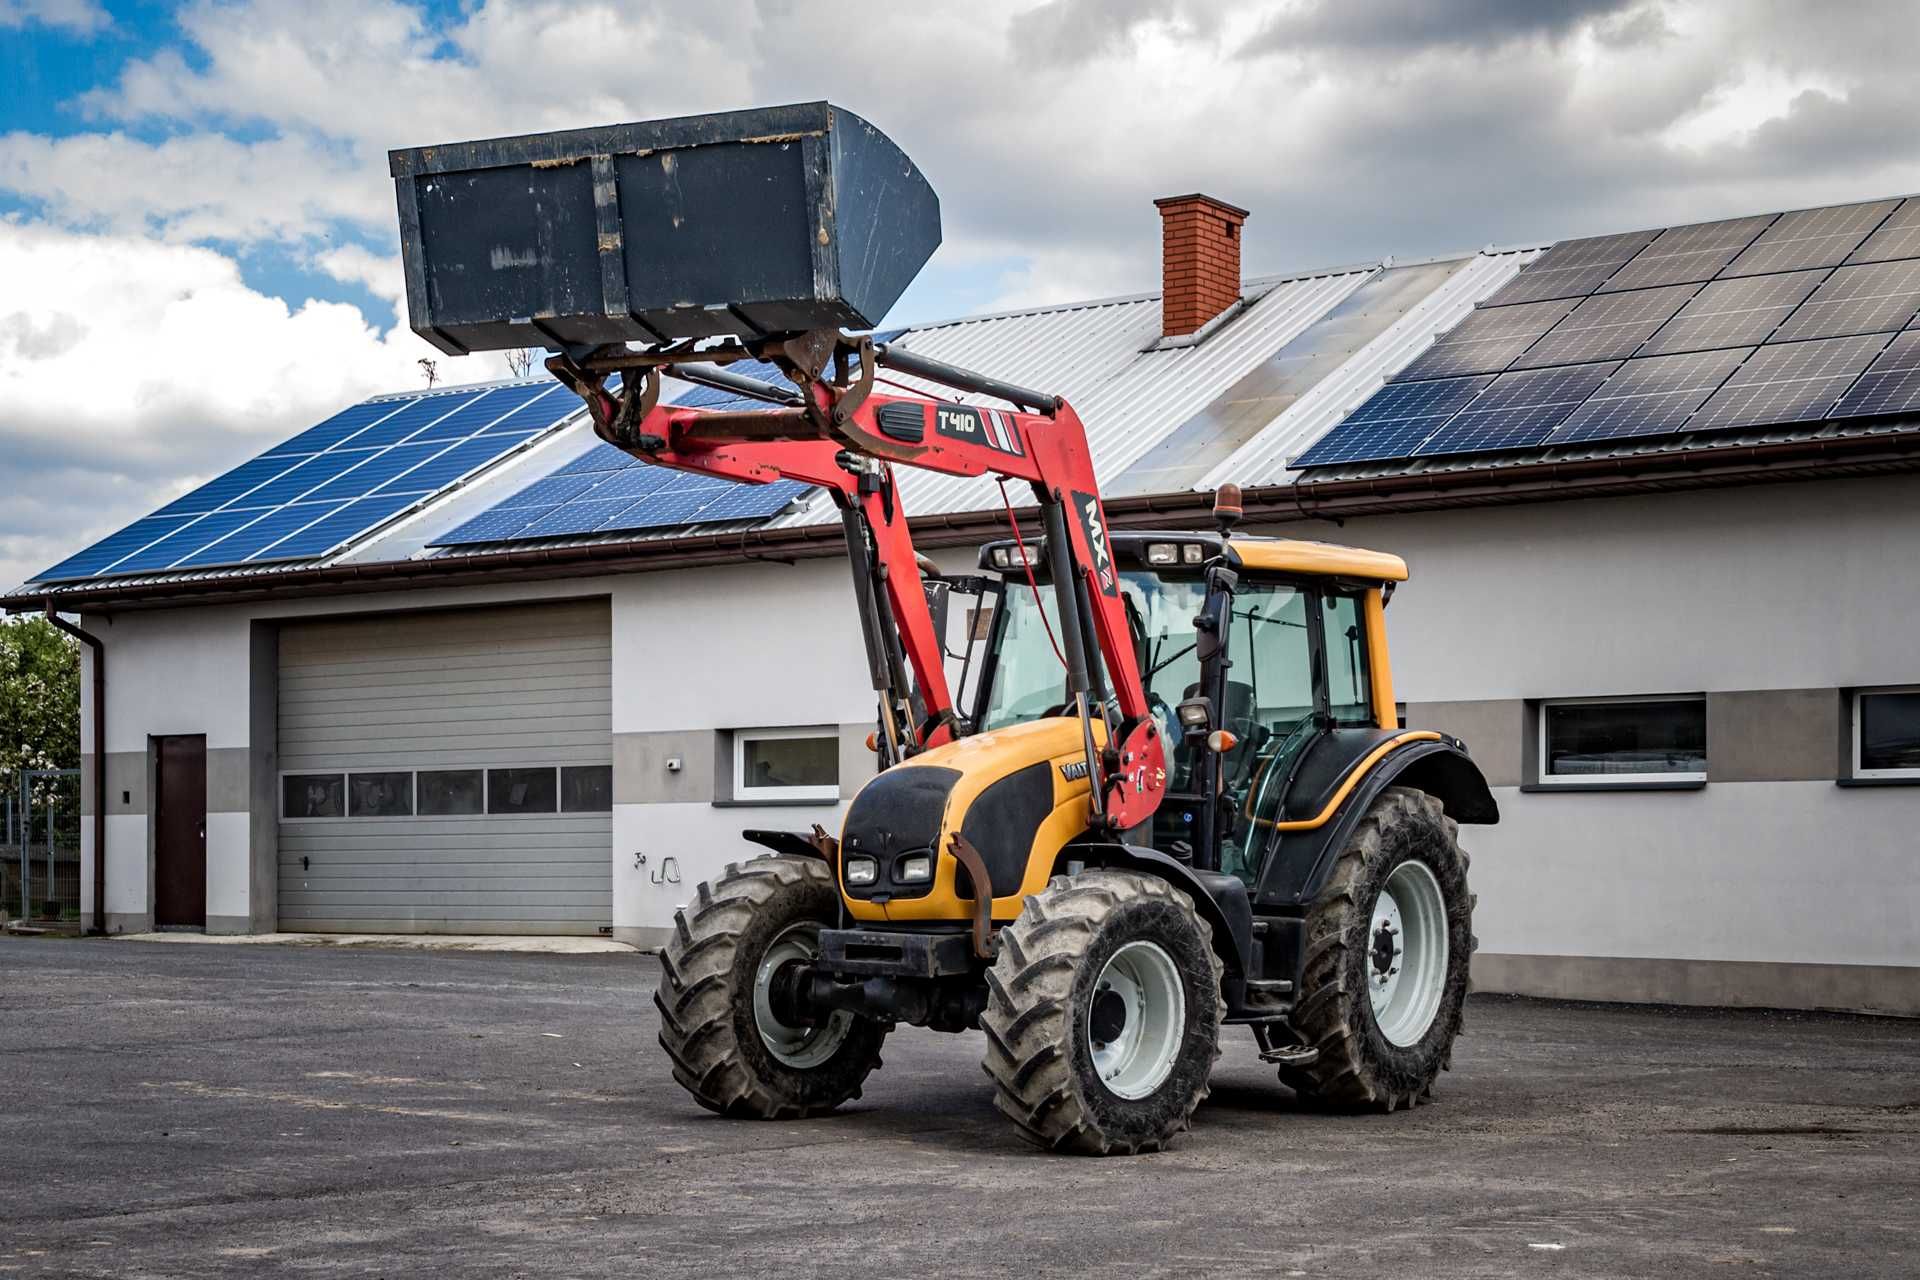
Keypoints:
(1178, 796)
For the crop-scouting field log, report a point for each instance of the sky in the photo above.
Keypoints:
(198, 254)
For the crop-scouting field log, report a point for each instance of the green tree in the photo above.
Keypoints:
(39, 696)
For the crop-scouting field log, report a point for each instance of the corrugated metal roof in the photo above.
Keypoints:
(1103, 358)
(1263, 459)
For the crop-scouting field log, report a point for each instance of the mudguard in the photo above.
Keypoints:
(1219, 898)
(797, 843)
(1298, 869)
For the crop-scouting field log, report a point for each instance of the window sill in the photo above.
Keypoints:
(1877, 782)
(774, 804)
(1552, 788)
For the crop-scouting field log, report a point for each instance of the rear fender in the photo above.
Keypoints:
(1298, 869)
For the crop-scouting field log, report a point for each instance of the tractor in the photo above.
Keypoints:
(1178, 796)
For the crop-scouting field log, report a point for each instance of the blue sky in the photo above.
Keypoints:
(198, 256)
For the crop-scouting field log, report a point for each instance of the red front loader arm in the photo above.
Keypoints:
(846, 439)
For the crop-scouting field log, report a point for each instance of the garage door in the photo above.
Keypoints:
(448, 772)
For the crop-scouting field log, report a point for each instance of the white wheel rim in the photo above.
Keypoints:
(1139, 1059)
(1407, 954)
(798, 1047)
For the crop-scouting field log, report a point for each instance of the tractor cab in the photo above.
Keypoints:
(1257, 653)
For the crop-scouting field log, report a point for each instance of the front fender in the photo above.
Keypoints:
(1220, 898)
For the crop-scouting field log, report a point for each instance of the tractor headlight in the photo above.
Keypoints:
(861, 870)
(1192, 553)
(1162, 553)
(917, 869)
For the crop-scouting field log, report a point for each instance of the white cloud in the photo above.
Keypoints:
(84, 17)
(131, 370)
(382, 276)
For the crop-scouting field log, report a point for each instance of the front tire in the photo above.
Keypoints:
(1103, 1014)
(1389, 941)
(716, 1020)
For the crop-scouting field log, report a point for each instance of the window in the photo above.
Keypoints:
(1886, 733)
(1349, 685)
(313, 795)
(449, 792)
(1620, 740)
(521, 790)
(586, 788)
(380, 795)
(786, 764)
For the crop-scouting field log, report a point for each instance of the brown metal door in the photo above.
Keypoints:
(180, 834)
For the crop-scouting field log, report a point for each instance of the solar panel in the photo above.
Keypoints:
(1649, 396)
(1486, 341)
(365, 463)
(242, 480)
(745, 502)
(1733, 313)
(1810, 238)
(1394, 421)
(1571, 269)
(1878, 297)
(1518, 410)
(1684, 255)
(1898, 236)
(1791, 382)
(261, 535)
(1606, 327)
(1890, 385)
(339, 427)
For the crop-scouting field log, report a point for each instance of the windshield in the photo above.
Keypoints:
(1030, 681)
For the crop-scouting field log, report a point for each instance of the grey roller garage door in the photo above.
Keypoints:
(447, 772)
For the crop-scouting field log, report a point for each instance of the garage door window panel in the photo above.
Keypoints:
(446, 793)
(522, 791)
(313, 795)
(1615, 742)
(781, 765)
(586, 788)
(1886, 734)
(386, 794)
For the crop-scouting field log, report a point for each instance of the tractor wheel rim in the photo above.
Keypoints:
(1407, 954)
(801, 1048)
(1153, 1008)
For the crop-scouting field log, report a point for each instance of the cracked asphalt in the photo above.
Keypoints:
(174, 1110)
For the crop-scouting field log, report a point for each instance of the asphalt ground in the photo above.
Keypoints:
(201, 1111)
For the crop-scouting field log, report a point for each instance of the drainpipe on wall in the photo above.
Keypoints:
(99, 763)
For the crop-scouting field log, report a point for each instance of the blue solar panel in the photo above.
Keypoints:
(1518, 410)
(338, 428)
(1394, 421)
(348, 522)
(1650, 396)
(481, 414)
(236, 483)
(748, 502)
(575, 517)
(252, 539)
(103, 554)
(187, 540)
(301, 497)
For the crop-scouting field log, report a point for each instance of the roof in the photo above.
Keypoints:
(1167, 420)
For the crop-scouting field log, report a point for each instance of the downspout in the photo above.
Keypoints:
(99, 762)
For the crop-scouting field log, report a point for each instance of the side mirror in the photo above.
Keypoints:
(938, 590)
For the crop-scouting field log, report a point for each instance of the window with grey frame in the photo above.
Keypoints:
(1886, 734)
(1623, 741)
(440, 793)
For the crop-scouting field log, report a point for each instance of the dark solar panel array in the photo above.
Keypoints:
(331, 483)
(1747, 322)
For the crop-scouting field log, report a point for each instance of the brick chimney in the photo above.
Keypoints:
(1200, 260)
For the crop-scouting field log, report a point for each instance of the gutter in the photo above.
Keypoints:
(1279, 504)
(99, 761)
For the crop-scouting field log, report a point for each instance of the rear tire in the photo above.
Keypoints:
(1103, 1014)
(727, 1049)
(1389, 941)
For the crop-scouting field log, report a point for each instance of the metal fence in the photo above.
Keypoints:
(40, 848)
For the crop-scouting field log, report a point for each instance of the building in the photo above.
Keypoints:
(474, 677)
